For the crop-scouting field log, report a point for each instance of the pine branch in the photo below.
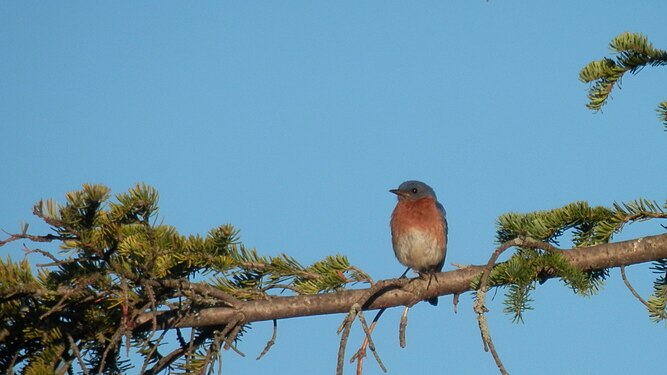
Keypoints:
(592, 258)
(633, 52)
(119, 265)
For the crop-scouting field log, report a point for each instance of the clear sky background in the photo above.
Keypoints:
(291, 120)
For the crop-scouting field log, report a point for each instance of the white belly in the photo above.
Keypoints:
(418, 251)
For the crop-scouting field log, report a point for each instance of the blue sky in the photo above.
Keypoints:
(291, 120)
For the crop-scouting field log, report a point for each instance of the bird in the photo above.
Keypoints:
(419, 229)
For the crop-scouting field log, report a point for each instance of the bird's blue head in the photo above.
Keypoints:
(414, 190)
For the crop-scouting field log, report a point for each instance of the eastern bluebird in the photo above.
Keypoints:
(419, 229)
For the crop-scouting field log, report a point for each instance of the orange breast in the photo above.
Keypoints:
(422, 214)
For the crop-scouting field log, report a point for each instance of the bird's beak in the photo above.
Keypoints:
(397, 192)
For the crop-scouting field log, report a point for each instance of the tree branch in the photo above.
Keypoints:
(592, 258)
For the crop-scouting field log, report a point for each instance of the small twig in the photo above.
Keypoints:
(47, 254)
(347, 323)
(174, 355)
(125, 309)
(262, 266)
(371, 345)
(190, 345)
(270, 343)
(361, 353)
(79, 290)
(165, 361)
(154, 347)
(218, 357)
(38, 210)
(455, 301)
(212, 350)
(484, 327)
(151, 298)
(366, 279)
(230, 332)
(375, 289)
(280, 286)
(402, 326)
(344, 327)
(113, 343)
(634, 293)
(233, 322)
(59, 263)
(537, 244)
(201, 288)
(61, 302)
(632, 290)
(25, 236)
(229, 340)
(479, 307)
(77, 353)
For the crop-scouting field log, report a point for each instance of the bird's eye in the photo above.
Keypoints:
(414, 190)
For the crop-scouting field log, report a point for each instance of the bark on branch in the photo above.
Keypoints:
(597, 257)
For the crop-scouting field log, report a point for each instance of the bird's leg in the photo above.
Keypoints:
(431, 276)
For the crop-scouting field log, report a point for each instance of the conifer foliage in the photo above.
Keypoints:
(115, 263)
(590, 226)
(633, 52)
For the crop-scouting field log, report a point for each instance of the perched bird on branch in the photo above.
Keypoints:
(419, 229)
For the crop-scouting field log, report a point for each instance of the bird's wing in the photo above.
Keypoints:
(444, 216)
